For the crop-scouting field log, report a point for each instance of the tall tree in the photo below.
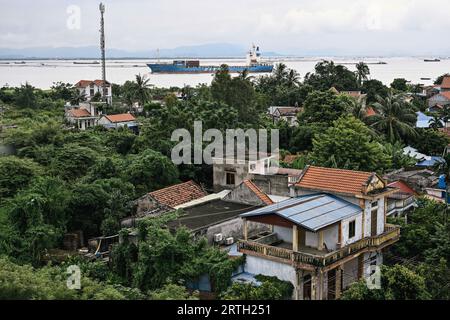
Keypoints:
(348, 144)
(324, 107)
(142, 90)
(362, 72)
(327, 75)
(395, 117)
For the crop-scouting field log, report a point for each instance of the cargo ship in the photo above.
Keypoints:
(254, 65)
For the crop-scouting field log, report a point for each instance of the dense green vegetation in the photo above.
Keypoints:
(62, 180)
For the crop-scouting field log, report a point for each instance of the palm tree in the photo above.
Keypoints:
(245, 75)
(395, 117)
(358, 108)
(362, 72)
(292, 78)
(142, 92)
(78, 97)
(280, 72)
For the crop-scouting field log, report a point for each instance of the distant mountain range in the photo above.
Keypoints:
(213, 50)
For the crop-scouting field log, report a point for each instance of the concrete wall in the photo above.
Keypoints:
(231, 228)
(380, 217)
(358, 229)
(270, 184)
(256, 265)
(350, 272)
(283, 233)
(367, 218)
(311, 239)
(331, 237)
(242, 194)
(219, 175)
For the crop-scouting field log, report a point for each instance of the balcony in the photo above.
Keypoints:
(400, 204)
(309, 258)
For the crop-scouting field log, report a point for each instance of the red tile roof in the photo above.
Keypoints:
(123, 117)
(445, 83)
(370, 112)
(178, 194)
(334, 180)
(259, 193)
(403, 186)
(86, 83)
(79, 113)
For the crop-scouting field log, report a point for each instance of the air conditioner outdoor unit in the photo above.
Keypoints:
(229, 241)
(218, 237)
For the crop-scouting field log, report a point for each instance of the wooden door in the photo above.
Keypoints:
(373, 223)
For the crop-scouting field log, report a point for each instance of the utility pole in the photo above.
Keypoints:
(102, 47)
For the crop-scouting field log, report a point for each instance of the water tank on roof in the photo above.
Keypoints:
(442, 182)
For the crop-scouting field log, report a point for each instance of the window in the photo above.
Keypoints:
(351, 229)
(374, 204)
(230, 178)
(253, 167)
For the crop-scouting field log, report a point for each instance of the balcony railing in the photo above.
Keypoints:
(391, 233)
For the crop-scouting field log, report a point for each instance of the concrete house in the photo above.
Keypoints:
(329, 235)
(264, 172)
(214, 216)
(114, 121)
(83, 116)
(288, 114)
(90, 88)
(402, 201)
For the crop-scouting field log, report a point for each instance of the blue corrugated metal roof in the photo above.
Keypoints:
(431, 162)
(312, 212)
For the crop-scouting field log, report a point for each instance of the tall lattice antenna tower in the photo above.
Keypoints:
(102, 44)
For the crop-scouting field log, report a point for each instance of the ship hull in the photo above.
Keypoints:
(169, 68)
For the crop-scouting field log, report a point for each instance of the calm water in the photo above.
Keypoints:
(43, 73)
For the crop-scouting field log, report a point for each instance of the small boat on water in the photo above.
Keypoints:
(432, 60)
(86, 62)
(425, 78)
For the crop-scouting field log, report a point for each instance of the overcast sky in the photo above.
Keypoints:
(327, 27)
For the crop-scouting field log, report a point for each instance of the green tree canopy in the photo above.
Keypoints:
(324, 107)
(327, 75)
(16, 174)
(348, 144)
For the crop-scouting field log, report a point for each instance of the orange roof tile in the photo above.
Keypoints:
(178, 194)
(79, 113)
(334, 180)
(123, 117)
(370, 112)
(445, 83)
(86, 83)
(259, 193)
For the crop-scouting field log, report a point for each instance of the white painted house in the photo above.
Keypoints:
(329, 235)
(83, 116)
(91, 87)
